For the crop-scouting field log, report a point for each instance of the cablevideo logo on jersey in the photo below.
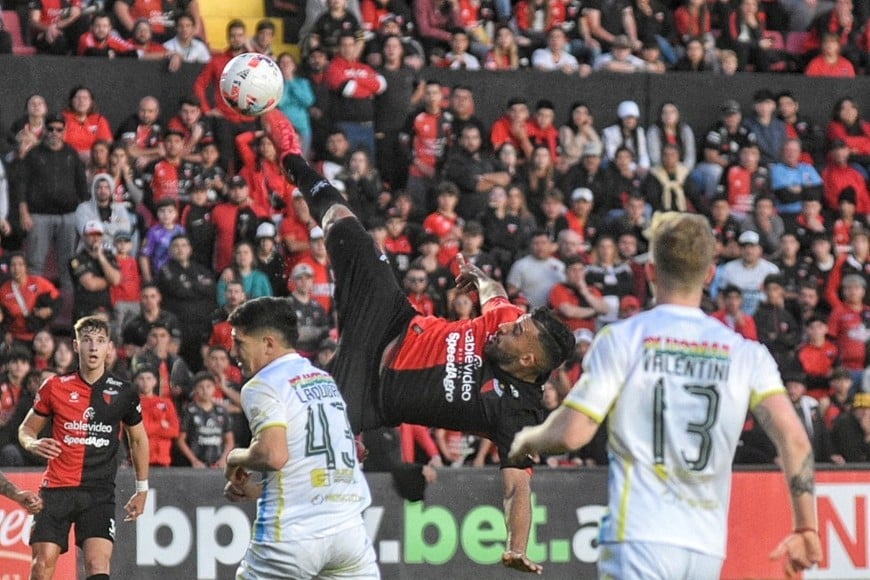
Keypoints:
(85, 433)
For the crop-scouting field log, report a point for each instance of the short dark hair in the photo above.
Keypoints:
(203, 376)
(557, 341)
(267, 312)
(89, 324)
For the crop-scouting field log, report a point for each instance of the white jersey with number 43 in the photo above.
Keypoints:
(675, 385)
(321, 489)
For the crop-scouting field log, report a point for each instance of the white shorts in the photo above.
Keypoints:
(348, 554)
(650, 561)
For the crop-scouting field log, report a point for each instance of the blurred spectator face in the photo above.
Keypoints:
(432, 97)
(670, 115)
(142, 34)
(816, 331)
(544, 117)
(472, 243)
(581, 115)
(775, 294)
(796, 390)
(158, 340)
(462, 102)
(504, 38)
(764, 208)
(821, 249)
(811, 208)
(695, 51)
(185, 28)
(101, 27)
(336, 5)
(103, 192)
(359, 163)
(149, 110)
(318, 249)
(393, 49)
(287, 66)
(575, 273)
(82, 102)
(570, 244)
(750, 253)
(541, 158)
(808, 298)
(831, 47)
(265, 36)
(237, 38)
(18, 269)
(36, 106)
(507, 154)
(304, 283)
(519, 113)
(497, 197)
(749, 158)
(239, 194)
(217, 362)
(552, 207)
(416, 281)
(861, 245)
(337, 145)
(749, 7)
(787, 107)
(541, 247)
(266, 148)
(470, 139)
(791, 152)
(788, 244)
(203, 391)
(317, 60)
(167, 215)
(189, 114)
(627, 246)
(463, 307)
(841, 386)
(764, 109)
(848, 112)
(174, 145)
(149, 299)
(347, 46)
(624, 159)
(459, 43)
(605, 250)
(43, 344)
(843, 9)
(732, 302)
(145, 382)
(854, 294)
(720, 210)
(732, 121)
(180, 250)
(551, 396)
(234, 294)
(395, 227)
(592, 163)
(556, 40)
(670, 157)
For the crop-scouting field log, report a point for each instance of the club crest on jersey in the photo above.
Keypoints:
(109, 396)
(89, 414)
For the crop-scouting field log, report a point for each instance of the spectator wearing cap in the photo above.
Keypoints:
(318, 260)
(244, 268)
(667, 187)
(721, 146)
(235, 220)
(474, 172)
(270, 260)
(28, 302)
(94, 270)
(141, 133)
(125, 294)
(818, 356)
(839, 176)
(589, 174)
(188, 290)
(512, 127)
(555, 56)
(314, 322)
(575, 302)
(170, 176)
(155, 249)
(778, 329)
(627, 132)
(620, 58)
(102, 207)
(580, 217)
(857, 262)
(747, 272)
(769, 130)
(159, 416)
(731, 314)
(50, 186)
(849, 325)
(850, 434)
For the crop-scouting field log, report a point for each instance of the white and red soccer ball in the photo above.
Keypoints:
(252, 84)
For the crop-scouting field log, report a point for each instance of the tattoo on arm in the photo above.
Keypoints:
(762, 415)
(803, 482)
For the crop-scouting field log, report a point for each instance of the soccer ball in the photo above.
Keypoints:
(252, 84)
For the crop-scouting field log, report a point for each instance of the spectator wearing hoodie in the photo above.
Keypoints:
(103, 208)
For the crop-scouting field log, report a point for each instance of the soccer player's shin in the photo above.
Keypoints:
(318, 192)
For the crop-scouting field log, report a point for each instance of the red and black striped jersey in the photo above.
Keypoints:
(86, 420)
(440, 377)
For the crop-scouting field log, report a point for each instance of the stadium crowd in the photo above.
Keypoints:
(171, 219)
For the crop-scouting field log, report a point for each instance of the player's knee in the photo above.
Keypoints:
(334, 214)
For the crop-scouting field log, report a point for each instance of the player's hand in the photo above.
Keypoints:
(519, 448)
(518, 561)
(801, 550)
(470, 276)
(47, 448)
(29, 501)
(135, 507)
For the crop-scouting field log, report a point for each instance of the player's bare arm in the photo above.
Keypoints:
(801, 548)
(25, 498)
(28, 432)
(471, 278)
(139, 452)
(268, 452)
(564, 430)
(518, 517)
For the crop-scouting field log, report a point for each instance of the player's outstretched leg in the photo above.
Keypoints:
(318, 192)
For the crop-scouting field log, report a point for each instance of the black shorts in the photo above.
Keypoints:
(91, 510)
(372, 311)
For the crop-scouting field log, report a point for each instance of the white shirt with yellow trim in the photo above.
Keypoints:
(321, 489)
(675, 386)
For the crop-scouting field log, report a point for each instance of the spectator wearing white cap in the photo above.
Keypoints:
(628, 133)
(312, 320)
(318, 261)
(269, 258)
(93, 270)
(746, 272)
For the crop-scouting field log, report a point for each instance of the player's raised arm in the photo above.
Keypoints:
(565, 429)
(472, 278)
(801, 548)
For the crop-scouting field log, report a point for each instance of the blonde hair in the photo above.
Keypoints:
(682, 248)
